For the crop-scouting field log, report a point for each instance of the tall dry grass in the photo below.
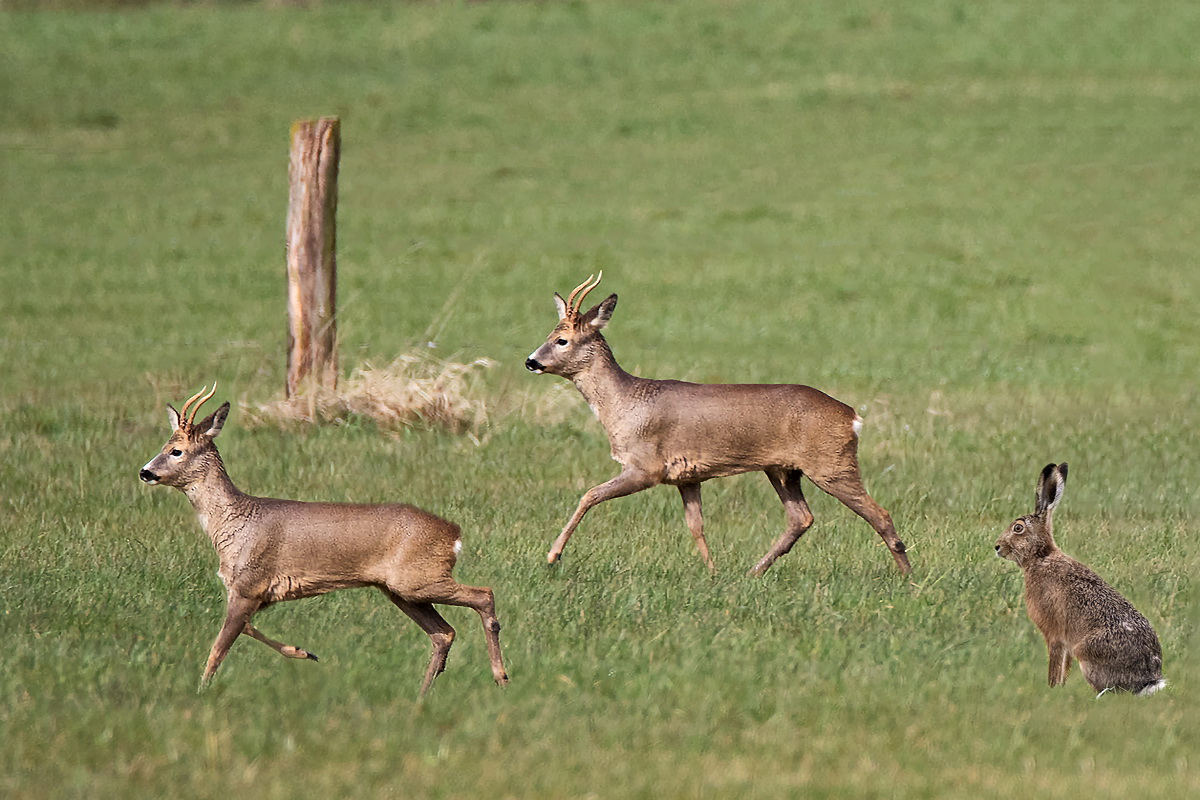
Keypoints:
(413, 390)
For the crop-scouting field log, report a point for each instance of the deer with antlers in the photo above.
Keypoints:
(666, 431)
(275, 550)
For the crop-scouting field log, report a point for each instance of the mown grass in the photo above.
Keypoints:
(973, 222)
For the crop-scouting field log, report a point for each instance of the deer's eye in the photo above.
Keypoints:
(176, 452)
(562, 342)
(1018, 527)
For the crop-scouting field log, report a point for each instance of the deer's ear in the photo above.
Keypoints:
(212, 424)
(172, 417)
(561, 305)
(599, 316)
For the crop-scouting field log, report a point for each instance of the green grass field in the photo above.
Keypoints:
(973, 222)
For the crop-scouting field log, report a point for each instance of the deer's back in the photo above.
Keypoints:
(295, 549)
(704, 431)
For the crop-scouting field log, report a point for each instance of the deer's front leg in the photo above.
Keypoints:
(290, 651)
(628, 482)
(238, 612)
(693, 514)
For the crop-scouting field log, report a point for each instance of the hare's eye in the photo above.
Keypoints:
(1018, 527)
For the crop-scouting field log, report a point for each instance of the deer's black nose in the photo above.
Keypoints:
(147, 476)
(532, 365)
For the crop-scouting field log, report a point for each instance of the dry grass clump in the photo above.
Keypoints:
(550, 403)
(411, 391)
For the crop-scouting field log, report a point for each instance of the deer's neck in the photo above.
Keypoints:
(607, 388)
(217, 502)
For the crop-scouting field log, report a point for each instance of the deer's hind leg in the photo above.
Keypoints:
(439, 631)
(483, 601)
(848, 488)
(799, 515)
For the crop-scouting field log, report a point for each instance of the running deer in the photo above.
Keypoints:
(685, 433)
(275, 550)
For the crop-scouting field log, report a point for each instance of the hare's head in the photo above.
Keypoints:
(1032, 536)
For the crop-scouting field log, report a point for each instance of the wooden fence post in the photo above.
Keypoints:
(311, 255)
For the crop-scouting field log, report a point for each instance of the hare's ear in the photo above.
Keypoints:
(1050, 487)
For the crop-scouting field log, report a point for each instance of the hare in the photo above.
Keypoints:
(1077, 612)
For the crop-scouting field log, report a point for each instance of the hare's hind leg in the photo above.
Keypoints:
(1109, 664)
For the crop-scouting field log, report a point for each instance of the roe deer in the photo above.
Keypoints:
(664, 431)
(274, 550)
(1078, 614)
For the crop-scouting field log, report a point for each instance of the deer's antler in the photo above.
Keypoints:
(183, 414)
(575, 299)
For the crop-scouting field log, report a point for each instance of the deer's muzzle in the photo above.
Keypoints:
(147, 476)
(533, 365)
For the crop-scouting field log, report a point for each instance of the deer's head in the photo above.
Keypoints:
(189, 451)
(571, 345)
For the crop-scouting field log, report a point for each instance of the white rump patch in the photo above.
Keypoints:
(857, 425)
(458, 547)
(1152, 688)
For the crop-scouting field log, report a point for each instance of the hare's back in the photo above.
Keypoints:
(1095, 606)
